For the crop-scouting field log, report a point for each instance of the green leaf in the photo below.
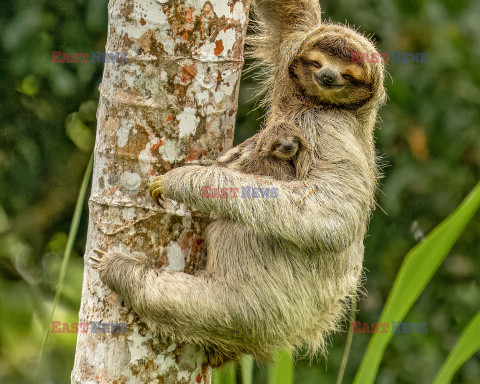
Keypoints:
(417, 270)
(225, 375)
(88, 111)
(4, 220)
(467, 345)
(81, 135)
(281, 372)
(247, 369)
(30, 85)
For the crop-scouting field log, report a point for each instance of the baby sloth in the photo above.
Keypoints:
(279, 150)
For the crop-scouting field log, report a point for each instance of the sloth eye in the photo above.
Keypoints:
(348, 77)
(316, 64)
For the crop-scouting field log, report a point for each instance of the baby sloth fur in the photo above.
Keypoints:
(279, 151)
(279, 270)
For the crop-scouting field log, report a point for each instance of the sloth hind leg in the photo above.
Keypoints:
(199, 309)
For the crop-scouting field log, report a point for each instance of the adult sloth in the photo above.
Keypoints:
(279, 270)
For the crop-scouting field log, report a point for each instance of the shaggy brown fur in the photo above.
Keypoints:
(279, 270)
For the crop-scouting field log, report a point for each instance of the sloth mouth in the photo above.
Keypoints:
(328, 85)
(284, 155)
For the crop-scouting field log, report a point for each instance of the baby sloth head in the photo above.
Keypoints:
(285, 147)
(282, 140)
(324, 70)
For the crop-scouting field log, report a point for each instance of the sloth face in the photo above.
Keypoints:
(285, 147)
(325, 71)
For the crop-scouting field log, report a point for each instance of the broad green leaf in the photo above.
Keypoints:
(417, 270)
(247, 369)
(281, 372)
(467, 345)
(225, 375)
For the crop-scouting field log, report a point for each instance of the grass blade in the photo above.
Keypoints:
(247, 369)
(348, 344)
(417, 270)
(281, 372)
(467, 345)
(72, 235)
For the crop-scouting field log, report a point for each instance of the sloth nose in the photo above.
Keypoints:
(288, 148)
(327, 77)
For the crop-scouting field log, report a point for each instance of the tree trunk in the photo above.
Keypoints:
(174, 101)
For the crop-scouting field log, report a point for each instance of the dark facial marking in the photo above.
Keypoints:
(336, 47)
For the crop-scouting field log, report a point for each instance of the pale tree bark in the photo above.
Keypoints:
(173, 102)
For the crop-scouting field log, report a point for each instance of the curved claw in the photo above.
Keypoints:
(98, 259)
(156, 190)
(160, 201)
(156, 186)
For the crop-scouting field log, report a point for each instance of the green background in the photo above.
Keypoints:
(429, 137)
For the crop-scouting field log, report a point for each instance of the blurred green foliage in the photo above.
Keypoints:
(416, 271)
(429, 139)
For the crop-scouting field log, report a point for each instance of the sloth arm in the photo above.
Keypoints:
(328, 211)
